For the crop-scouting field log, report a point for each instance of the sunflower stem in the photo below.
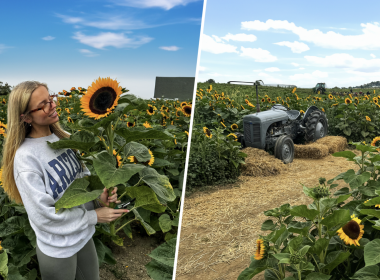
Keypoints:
(125, 214)
(126, 224)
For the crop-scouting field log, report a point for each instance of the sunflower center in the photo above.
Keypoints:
(102, 99)
(352, 229)
(151, 110)
(187, 110)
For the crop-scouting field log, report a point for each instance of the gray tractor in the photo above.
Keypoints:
(278, 128)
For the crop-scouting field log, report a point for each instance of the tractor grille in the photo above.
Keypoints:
(252, 132)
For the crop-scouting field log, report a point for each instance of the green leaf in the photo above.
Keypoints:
(278, 233)
(76, 194)
(268, 225)
(165, 223)
(335, 258)
(303, 211)
(159, 271)
(320, 244)
(336, 218)
(304, 250)
(282, 257)
(149, 230)
(12, 226)
(117, 240)
(346, 154)
(371, 212)
(299, 227)
(139, 135)
(128, 231)
(138, 150)
(255, 268)
(317, 276)
(159, 183)
(342, 198)
(372, 252)
(82, 140)
(169, 236)
(105, 167)
(146, 198)
(367, 273)
(4, 263)
(165, 253)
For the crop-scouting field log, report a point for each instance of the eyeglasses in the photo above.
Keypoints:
(47, 106)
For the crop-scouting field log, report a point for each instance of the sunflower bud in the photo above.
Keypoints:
(295, 258)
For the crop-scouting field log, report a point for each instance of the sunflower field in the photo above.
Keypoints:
(136, 145)
(354, 116)
(336, 237)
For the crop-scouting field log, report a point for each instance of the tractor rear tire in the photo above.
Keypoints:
(284, 149)
(316, 126)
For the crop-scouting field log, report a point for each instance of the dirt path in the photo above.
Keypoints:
(131, 258)
(220, 227)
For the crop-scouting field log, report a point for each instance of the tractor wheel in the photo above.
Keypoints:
(316, 126)
(284, 149)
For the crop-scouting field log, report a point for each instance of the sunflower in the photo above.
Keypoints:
(262, 99)
(347, 101)
(294, 90)
(101, 97)
(302, 111)
(133, 159)
(67, 110)
(375, 140)
(242, 107)
(147, 125)
(186, 110)
(163, 108)
(234, 126)
(232, 135)
(178, 113)
(246, 101)
(223, 124)
(150, 110)
(118, 158)
(351, 232)
(129, 124)
(368, 118)
(187, 133)
(260, 251)
(183, 103)
(375, 100)
(207, 132)
(149, 162)
(269, 100)
(330, 96)
(70, 120)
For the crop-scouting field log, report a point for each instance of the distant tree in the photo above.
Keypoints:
(210, 81)
(5, 89)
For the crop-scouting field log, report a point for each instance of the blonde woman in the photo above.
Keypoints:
(36, 176)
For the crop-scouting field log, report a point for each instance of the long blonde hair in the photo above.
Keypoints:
(16, 132)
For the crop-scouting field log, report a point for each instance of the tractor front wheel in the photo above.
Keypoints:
(284, 149)
(316, 126)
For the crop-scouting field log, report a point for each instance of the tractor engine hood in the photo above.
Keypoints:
(271, 116)
(256, 125)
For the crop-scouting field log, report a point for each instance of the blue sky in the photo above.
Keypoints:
(72, 43)
(291, 42)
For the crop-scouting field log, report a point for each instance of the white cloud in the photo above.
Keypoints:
(309, 77)
(372, 55)
(268, 79)
(272, 69)
(344, 60)
(48, 38)
(301, 68)
(296, 47)
(262, 74)
(3, 47)
(107, 21)
(259, 55)
(164, 4)
(295, 64)
(240, 37)
(88, 53)
(105, 39)
(217, 39)
(368, 40)
(201, 68)
(170, 48)
(210, 45)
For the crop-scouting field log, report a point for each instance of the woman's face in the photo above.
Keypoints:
(37, 100)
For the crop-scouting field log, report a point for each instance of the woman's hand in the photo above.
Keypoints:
(106, 214)
(107, 199)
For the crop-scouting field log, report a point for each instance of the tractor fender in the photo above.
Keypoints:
(308, 112)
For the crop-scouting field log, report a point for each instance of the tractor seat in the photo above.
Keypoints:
(293, 114)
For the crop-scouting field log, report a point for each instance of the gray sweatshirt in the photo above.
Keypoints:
(42, 175)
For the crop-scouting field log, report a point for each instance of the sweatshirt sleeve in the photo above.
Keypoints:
(40, 208)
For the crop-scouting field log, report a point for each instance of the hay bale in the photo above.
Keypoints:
(313, 150)
(260, 163)
(334, 143)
